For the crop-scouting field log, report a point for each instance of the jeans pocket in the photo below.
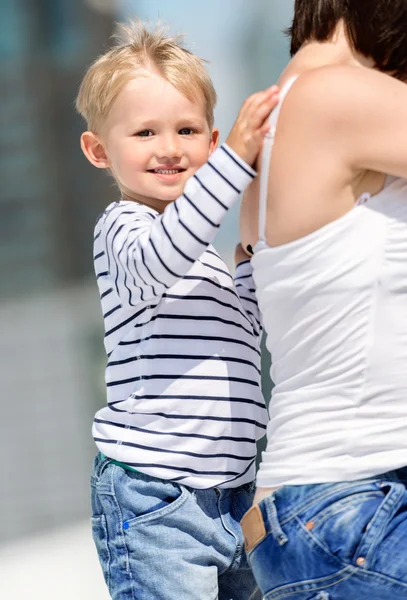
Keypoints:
(100, 537)
(352, 523)
(143, 498)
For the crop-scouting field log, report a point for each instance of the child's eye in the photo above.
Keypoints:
(144, 133)
(186, 131)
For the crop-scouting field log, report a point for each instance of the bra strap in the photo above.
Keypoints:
(266, 158)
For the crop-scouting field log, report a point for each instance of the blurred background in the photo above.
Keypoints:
(51, 336)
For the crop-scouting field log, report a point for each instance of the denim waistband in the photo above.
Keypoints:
(289, 500)
(101, 462)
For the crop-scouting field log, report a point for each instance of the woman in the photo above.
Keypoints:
(330, 266)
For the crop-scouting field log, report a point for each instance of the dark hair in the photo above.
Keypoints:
(376, 29)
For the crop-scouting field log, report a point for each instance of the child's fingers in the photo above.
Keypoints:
(247, 134)
(262, 112)
(252, 102)
(262, 101)
(265, 128)
(255, 100)
(268, 103)
(262, 116)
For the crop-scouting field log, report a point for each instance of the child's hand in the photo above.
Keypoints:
(240, 254)
(247, 134)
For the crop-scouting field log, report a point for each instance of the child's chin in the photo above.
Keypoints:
(170, 197)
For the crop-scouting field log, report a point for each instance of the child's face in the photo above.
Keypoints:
(155, 139)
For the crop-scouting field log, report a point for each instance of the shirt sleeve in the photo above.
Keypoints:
(246, 289)
(147, 254)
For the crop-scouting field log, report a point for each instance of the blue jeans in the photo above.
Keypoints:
(159, 540)
(342, 541)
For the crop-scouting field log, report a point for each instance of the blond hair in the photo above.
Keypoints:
(138, 48)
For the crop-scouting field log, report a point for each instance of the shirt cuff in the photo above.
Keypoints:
(244, 270)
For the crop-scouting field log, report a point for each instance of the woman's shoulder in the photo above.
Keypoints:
(335, 93)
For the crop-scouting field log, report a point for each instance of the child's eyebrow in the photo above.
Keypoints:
(154, 123)
(190, 120)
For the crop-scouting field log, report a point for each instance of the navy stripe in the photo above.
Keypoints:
(246, 298)
(249, 312)
(102, 274)
(163, 263)
(217, 269)
(196, 318)
(118, 263)
(149, 270)
(179, 452)
(138, 274)
(243, 277)
(189, 231)
(190, 297)
(223, 177)
(214, 254)
(106, 293)
(173, 468)
(212, 195)
(223, 288)
(243, 262)
(97, 235)
(199, 436)
(111, 249)
(226, 359)
(249, 466)
(208, 338)
(112, 226)
(177, 376)
(111, 311)
(191, 417)
(182, 318)
(190, 397)
(99, 255)
(188, 258)
(127, 321)
(134, 263)
(127, 271)
(238, 163)
(207, 219)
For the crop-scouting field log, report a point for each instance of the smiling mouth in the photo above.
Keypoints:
(167, 171)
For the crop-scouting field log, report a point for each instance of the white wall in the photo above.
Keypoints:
(56, 566)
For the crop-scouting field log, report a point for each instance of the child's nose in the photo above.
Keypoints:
(169, 148)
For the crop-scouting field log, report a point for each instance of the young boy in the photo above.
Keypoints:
(177, 439)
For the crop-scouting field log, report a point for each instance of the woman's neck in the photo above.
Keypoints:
(313, 55)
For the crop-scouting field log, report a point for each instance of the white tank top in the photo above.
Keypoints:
(334, 306)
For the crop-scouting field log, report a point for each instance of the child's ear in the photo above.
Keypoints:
(94, 150)
(214, 140)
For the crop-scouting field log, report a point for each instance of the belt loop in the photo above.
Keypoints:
(275, 527)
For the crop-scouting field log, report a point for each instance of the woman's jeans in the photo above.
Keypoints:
(342, 541)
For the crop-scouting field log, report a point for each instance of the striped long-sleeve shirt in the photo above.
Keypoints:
(182, 337)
